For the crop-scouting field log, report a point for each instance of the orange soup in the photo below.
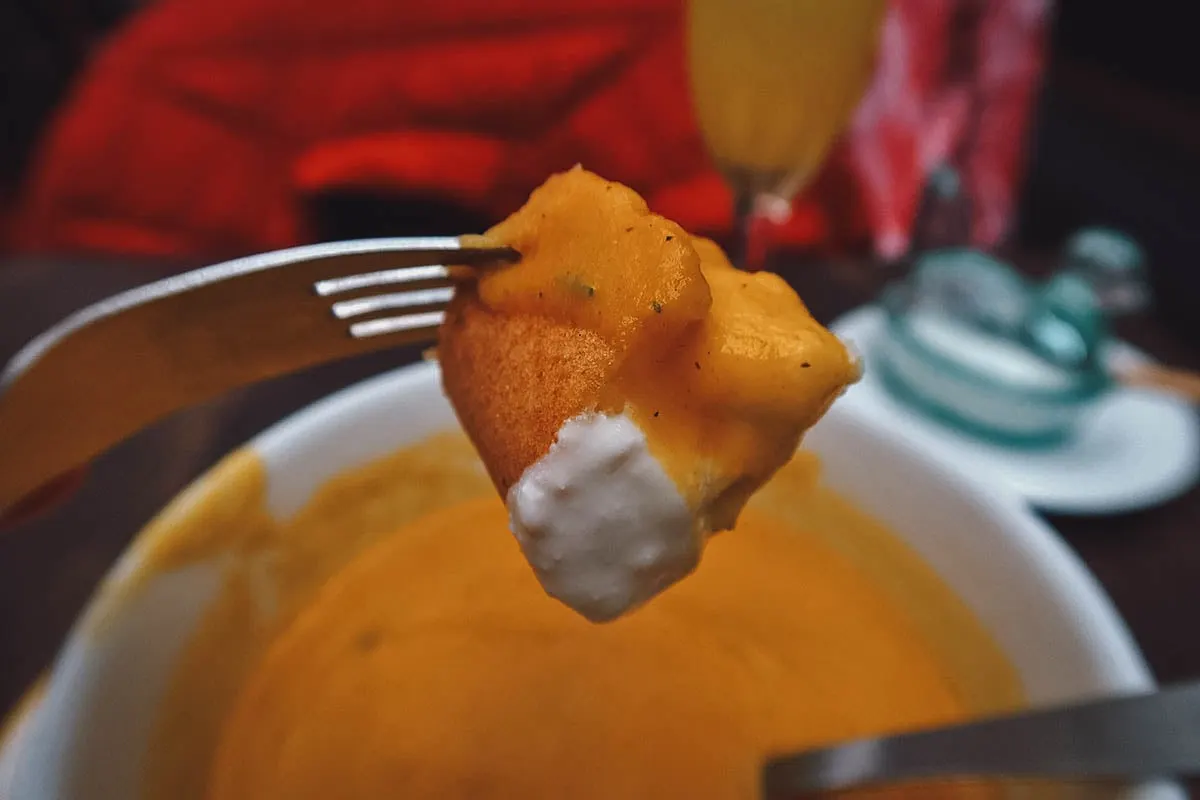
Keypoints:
(434, 666)
(388, 640)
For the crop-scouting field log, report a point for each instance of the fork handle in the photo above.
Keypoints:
(1137, 737)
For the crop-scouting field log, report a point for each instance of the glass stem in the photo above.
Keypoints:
(743, 222)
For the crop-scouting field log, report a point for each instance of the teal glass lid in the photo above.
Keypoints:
(1128, 449)
(973, 345)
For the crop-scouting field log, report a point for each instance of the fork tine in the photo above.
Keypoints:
(402, 276)
(418, 325)
(418, 276)
(423, 299)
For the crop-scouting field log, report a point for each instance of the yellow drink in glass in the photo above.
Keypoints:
(775, 81)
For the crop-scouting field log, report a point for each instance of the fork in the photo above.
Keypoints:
(1131, 737)
(114, 367)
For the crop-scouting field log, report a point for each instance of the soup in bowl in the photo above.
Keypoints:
(337, 610)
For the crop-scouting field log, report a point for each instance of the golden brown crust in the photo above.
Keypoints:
(514, 380)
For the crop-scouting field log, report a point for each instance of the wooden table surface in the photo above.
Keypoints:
(1149, 561)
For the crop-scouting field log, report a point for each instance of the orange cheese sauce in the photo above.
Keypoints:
(433, 665)
(810, 621)
(721, 369)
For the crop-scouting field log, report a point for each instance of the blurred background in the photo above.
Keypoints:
(140, 138)
(190, 129)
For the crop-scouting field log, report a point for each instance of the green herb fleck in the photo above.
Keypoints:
(655, 413)
(805, 365)
(657, 306)
(669, 237)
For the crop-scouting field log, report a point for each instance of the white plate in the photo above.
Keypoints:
(87, 737)
(1133, 450)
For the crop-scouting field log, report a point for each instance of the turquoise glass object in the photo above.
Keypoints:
(971, 343)
(1115, 266)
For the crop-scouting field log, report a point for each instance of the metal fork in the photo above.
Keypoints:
(1138, 737)
(112, 368)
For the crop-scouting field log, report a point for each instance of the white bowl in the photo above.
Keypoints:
(88, 735)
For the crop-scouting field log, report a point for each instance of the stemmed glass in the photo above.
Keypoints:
(774, 82)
